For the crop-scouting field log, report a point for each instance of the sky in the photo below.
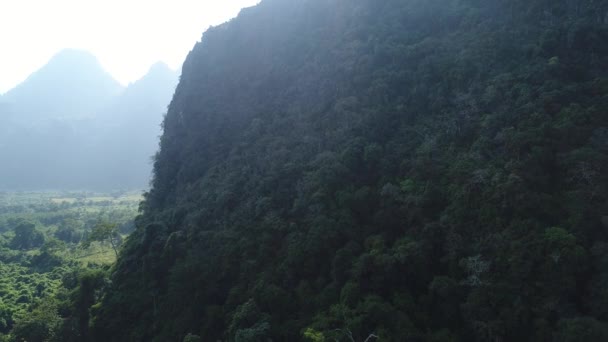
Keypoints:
(127, 36)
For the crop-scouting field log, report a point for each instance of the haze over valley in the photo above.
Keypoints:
(71, 126)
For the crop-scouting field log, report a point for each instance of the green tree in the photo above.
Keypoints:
(26, 236)
(105, 232)
(40, 325)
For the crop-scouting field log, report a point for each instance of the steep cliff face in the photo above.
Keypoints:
(419, 170)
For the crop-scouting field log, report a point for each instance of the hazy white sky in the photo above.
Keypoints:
(127, 36)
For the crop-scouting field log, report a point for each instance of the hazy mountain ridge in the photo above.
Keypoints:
(72, 126)
(146, 94)
(71, 85)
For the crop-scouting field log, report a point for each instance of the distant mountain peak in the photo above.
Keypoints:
(71, 84)
(73, 55)
(145, 96)
(78, 66)
(75, 62)
(157, 71)
(160, 66)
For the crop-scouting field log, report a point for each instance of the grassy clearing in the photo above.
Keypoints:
(97, 253)
(97, 198)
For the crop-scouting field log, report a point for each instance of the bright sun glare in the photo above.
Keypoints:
(126, 35)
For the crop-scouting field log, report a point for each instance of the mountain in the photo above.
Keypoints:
(411, 170)
(72, 84)
(144, 96)
(72, 127)
(129, 127)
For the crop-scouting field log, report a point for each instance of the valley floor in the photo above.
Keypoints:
(51, 243)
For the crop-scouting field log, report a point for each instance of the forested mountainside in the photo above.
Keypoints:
(70, 125)
(417, 170)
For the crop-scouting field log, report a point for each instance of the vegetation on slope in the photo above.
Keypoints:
(417, 170)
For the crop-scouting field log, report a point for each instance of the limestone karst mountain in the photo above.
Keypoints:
(391, 170)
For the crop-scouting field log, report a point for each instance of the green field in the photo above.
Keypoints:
(48, 246)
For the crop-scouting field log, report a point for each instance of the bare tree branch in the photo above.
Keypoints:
(371, 336)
